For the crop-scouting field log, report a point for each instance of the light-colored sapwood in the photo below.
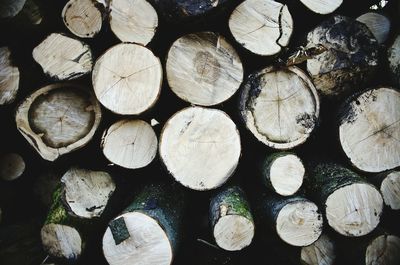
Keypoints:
(394, 60)
(87, 192)
(82, 17)
(62, 57)
(322, 6)
(263, 27)
(203, 68)
(133, 21)
(390, 189)
(383, 250)
(58, 119)
(9, 77)
(280, 106)
(369, 130)
(12, 166)
(200, 147)
(127, 79)
(378, 24)
(321, 252)
(130, 144)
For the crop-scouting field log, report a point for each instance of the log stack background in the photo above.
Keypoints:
(25, 202)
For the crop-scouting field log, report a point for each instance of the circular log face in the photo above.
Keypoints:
(87, 192)
(61, 241)
(63, 58)
(355, 209)
(261, 26)
(322, 6)
(10, 8)
(130, 144)
(390, 189)
(9, 77)
(127, 79)
(200, 147)
(370, 130)
(378, 24)
(299, 223)
(321, 252)
(58, 119)
(394, 60)
(233, 232)
(82, 18)
(203, 68)
(12, 166)
(286, 174)
(147, 244)
(384, 250)
(350, 57)
(280, 107)
(133, 21)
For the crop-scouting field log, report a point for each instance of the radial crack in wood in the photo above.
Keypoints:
(369, 130)
(58, 119)
(263, 27)
(200, 147)
(203, 68)
(130, 144)
(133, 21)
(9, 77)
(280, 106)
(127, 79)
(82, 17)
(62, 57)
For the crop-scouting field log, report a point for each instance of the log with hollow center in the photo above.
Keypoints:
(263, 27)
(127, 79)
(203, 68)
(130, 144)
(58, 119)
(200, 147)
(369, 129)
(280, 106)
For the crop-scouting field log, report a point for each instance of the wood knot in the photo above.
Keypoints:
(207, 67)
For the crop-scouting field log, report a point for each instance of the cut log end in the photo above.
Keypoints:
(233, 232)
(58, 119)
(384, 250)
(130, 144)
(280, 107)
(370, 128)
(200, 147)
(322, 7)
(355, 209)
(286, 174)
(136, 239)
(62, 57)
(82, 18)
(123, 87)
(87, 192)
(203, 69)
(262, 27)
(12, 166)
(390, 189)
(394, 60)
(299, 223)
(133, 21)
(321, 252)
(9, 77)
(378, 24)
(61, 241)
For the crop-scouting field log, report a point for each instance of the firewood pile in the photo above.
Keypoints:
(156, 132)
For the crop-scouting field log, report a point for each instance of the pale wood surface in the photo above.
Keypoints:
(203, 68)
(390, 189)
(383, 250)
(130, 144)
(62, 57)
(261, 26)
(378, 24)
(133, 21)
(322, 6)
(286, 174)
(9, 77)
(321, 252)
(200, 147)
(127, 79)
